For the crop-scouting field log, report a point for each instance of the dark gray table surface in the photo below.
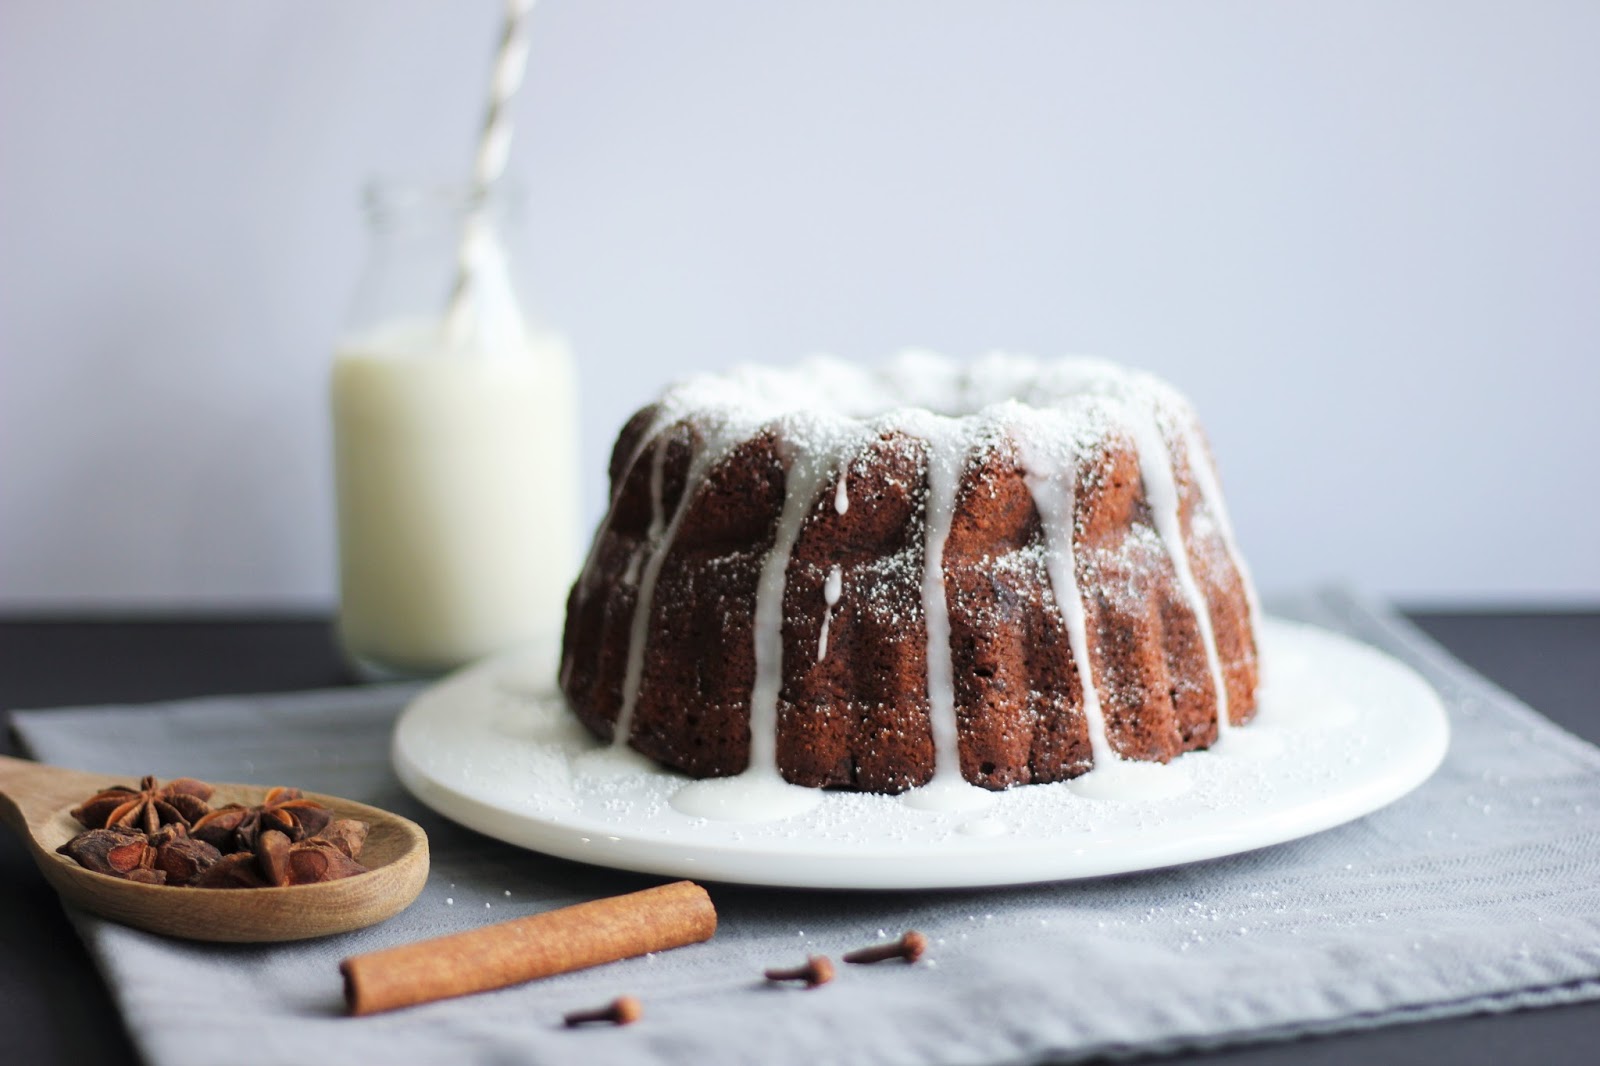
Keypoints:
(55, 1009)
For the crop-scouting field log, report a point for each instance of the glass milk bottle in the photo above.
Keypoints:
(454, 418)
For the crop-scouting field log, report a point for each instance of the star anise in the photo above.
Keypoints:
(180, 856)
(346, 834)
(221, 827)
(237, 827)
(118, 851)
(238, 870)
(272, 855)
(304, 863)
(277, 862)
(316, 860)
(147, 808)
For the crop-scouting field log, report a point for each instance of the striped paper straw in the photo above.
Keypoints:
(494, 145)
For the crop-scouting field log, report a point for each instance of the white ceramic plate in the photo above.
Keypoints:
(1342, 731)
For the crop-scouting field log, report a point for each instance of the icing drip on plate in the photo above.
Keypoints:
(753, 796)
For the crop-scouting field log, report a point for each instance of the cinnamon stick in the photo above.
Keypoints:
(525, 949)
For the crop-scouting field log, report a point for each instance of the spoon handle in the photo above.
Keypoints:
(30, 792)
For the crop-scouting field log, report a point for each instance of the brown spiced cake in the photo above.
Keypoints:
(1013, 569)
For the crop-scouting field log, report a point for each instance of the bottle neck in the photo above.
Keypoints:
(440, 271)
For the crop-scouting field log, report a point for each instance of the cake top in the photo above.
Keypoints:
(826, 406)
(915, 379)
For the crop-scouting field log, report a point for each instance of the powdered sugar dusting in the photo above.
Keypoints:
(840, 400)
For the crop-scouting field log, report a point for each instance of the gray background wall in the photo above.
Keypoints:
(1363, 236)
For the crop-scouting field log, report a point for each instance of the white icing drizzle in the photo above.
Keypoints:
(949, 792)
(832, 588)
(611, 762)
(1050, 478)
(803, 482)
(841, 495)
(946, 457)
(749, 797)
(1205, 476)
(630, 576)
(586, 576)
(656, 549)
(658, 465)
(1126, 779)
(1161, 493)
(658, 475)
(760, 793)
(720, 433)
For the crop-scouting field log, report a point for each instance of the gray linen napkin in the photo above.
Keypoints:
(1478, 892)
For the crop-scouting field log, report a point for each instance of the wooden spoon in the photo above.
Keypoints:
(35, 800)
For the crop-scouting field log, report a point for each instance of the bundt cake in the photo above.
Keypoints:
(1013, 570)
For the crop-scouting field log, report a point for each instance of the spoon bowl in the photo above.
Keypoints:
(36, 800)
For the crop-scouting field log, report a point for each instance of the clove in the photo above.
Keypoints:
(909, 947)
(624, 1010)
(818, 970)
